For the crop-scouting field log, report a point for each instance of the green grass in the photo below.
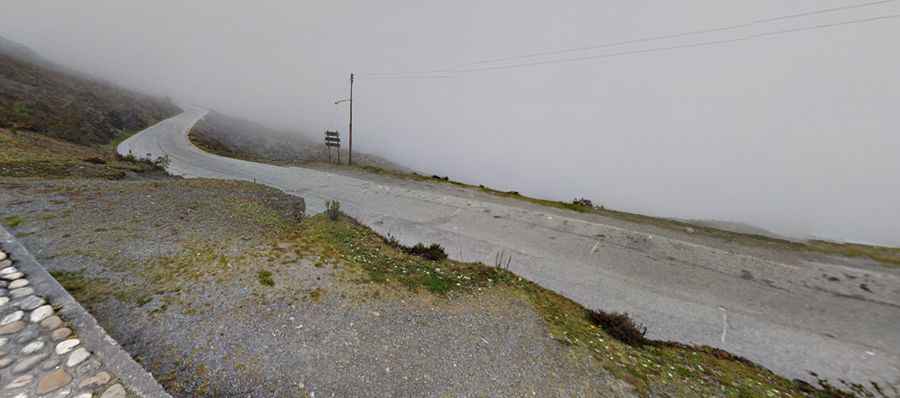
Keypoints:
(382, 262)
(258, 213)
(265, 278)
(13, 221)
(88, 291)
(677, 369)
(30, 154)
(91, 290)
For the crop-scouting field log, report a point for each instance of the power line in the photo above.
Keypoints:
(407, 77)
(677, 47)
(640, 40)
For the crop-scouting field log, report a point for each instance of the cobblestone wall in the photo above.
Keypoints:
(50, 346)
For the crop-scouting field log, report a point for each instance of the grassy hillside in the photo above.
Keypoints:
(38, 96)
(29, 154)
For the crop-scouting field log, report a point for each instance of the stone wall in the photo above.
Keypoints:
(50, 346)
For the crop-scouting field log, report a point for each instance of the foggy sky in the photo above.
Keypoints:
(796, 133)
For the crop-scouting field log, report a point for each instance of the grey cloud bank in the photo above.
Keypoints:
(796, 133)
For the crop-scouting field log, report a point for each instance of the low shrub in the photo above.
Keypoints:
(162, 162)
(333, 209)
(620, 326)
(433, 252)
(95, 160)
(583, 202)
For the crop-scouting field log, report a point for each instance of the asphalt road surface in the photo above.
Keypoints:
(838, 320)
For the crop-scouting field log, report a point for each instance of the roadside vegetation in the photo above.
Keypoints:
(30, 154)
(613, 340)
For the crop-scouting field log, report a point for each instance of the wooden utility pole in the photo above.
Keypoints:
(350, 150)
(350, 100)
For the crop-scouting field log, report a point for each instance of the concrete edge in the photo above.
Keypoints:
(114, 358)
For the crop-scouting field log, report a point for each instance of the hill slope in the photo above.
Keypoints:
(39, 96)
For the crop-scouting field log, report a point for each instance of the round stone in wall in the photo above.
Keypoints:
(18, 283)
(8, 270)
(15, 316)
(14, 327)
(20, 381)
(31, 302)
(51, 323)
(25, 364)
(33, 347)
(96, 380)
(21, 292)
(60, 333)
(77, 356)
(66, 346)
(53, 381)
(41, 313)
(116, 391)
(27, 335)
(13, 276)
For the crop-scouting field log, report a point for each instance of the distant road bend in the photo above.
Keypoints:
(790, 317)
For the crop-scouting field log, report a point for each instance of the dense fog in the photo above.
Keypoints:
(795, 132)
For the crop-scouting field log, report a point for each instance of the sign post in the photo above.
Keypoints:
(333, 140)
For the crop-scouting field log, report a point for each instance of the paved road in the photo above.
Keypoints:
(840, 321)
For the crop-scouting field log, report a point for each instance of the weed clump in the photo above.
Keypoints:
(265, 278)
(583, 202)
(333, 209)
(13, 221)
(620, 326)
(95, 160)
(433, 252)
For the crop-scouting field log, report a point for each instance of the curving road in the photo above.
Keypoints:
(840, 321)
